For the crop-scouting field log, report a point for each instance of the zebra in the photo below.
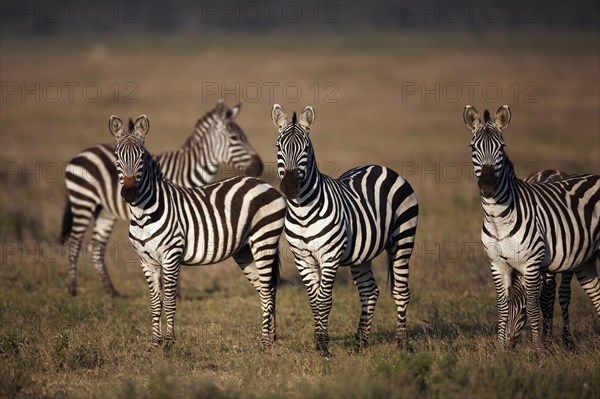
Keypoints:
(172, 225)
(343, 222)
(533, 228)
(92, 184)
(517, 301)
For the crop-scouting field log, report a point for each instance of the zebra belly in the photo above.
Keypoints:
(205, 254)
(559, 261)
(518, 252)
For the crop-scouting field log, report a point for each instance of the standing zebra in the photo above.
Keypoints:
(171, 225)
(533, 228)
(517, 302)
(343, 222)
(93, 186)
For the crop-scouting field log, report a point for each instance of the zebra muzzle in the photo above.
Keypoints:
(487, 181)
(129, 191)
(289, 184)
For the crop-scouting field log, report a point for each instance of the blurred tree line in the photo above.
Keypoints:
(74, 16)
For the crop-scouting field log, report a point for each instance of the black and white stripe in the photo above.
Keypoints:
(517, 312)
(92, 184)
(343, 222)
(533, 228)
(171, 225)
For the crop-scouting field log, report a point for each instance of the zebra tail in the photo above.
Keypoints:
(275, 272)
(67, 223)
(390, 279)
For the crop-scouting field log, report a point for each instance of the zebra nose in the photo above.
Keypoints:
(487, 181)
(129, 191)
(289, 183)
(255, 166)
(128, 181)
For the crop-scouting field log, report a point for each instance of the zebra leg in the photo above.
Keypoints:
(324, 302)
(368, 293)
(309, 272)
(517, 301)
(152, 273)
(547, 304)
(170, 278)
(533, 285)
(398, 271)
(74, 248)
(564, 298)
(82, 215)
(501, 275)
(587, 275)
(265, 286)
(102, 229)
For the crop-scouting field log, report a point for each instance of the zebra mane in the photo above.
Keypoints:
(154, 167)
(486, 116)
(509, 167)
(131, 125)
(200, 128)
(294, 118)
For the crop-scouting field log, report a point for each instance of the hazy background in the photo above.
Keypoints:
(388, 80)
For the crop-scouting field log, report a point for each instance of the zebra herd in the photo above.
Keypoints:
(533, 229)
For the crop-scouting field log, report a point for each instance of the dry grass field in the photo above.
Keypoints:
(390, 100)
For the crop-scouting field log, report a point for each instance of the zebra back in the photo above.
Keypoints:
(91, 176)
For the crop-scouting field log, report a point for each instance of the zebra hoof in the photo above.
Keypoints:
(360, 342)
(168, 347)
(73, 289)
(568, 342)
(402, 343)
(322, 344)
(266, 342)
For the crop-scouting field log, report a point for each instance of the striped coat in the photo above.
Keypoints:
(93, 187)
(533, 228)
(344, 222)
(171, 225)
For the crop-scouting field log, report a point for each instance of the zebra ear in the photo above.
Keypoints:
(141, 127)
(502, 118)
(307, 117)
(279, 116)
(115, 126)
(233, 112)
(471, 117)
(220, 109)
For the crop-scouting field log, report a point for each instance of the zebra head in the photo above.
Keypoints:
(294, 149)
(131, 154)
(232, 146)
(487, 146)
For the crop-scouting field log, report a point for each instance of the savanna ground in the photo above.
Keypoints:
(52, 345)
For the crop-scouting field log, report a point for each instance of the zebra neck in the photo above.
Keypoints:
(310, 193)
(204, 162)
(147, 198)
(501, 205)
